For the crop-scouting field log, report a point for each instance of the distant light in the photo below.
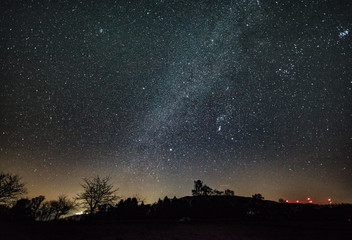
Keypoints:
(286, 201)
(297, 201)
(308, 198)
(310, 201)
(329, 199)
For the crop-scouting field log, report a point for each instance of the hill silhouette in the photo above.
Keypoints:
(237, 208)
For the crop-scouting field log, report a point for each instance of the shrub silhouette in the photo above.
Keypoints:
(257, 196)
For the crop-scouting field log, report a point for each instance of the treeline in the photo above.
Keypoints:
(236, 208)
(177, 208)
(201, 189)
(101, 204)
(26, 209)
(15, 208)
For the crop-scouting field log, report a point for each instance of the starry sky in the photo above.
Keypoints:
(250, 95)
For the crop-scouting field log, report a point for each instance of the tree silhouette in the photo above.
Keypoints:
(46, 211)
(281, 200)
(197, 191)
(35, 205)
(10, 188)
(206, 190)
(257, 196)
(62, 206)
(21, 211)
(27, 209)
(139, 198)
(229, 192)
(217, 192)
(200, 189)
(97, 192)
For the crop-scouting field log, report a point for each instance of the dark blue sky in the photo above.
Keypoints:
(249, 95)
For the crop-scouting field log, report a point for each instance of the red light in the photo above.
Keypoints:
(308, 199)
(297, 201)
(286, 201)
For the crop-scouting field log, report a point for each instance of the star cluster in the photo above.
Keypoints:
(249, 94)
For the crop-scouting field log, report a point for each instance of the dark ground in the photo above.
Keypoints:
(173, 230)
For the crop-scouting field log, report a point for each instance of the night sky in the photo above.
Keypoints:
(250, 95)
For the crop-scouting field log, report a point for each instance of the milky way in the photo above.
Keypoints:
(251, 95)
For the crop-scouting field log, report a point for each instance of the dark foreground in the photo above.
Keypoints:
(173, 230)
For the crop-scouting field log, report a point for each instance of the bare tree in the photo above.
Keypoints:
(54, 209)
(46, 211)
(10, 188)
(97, 192)
(62, 206)
(35, 205)
(27, 209)
(139, 198)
